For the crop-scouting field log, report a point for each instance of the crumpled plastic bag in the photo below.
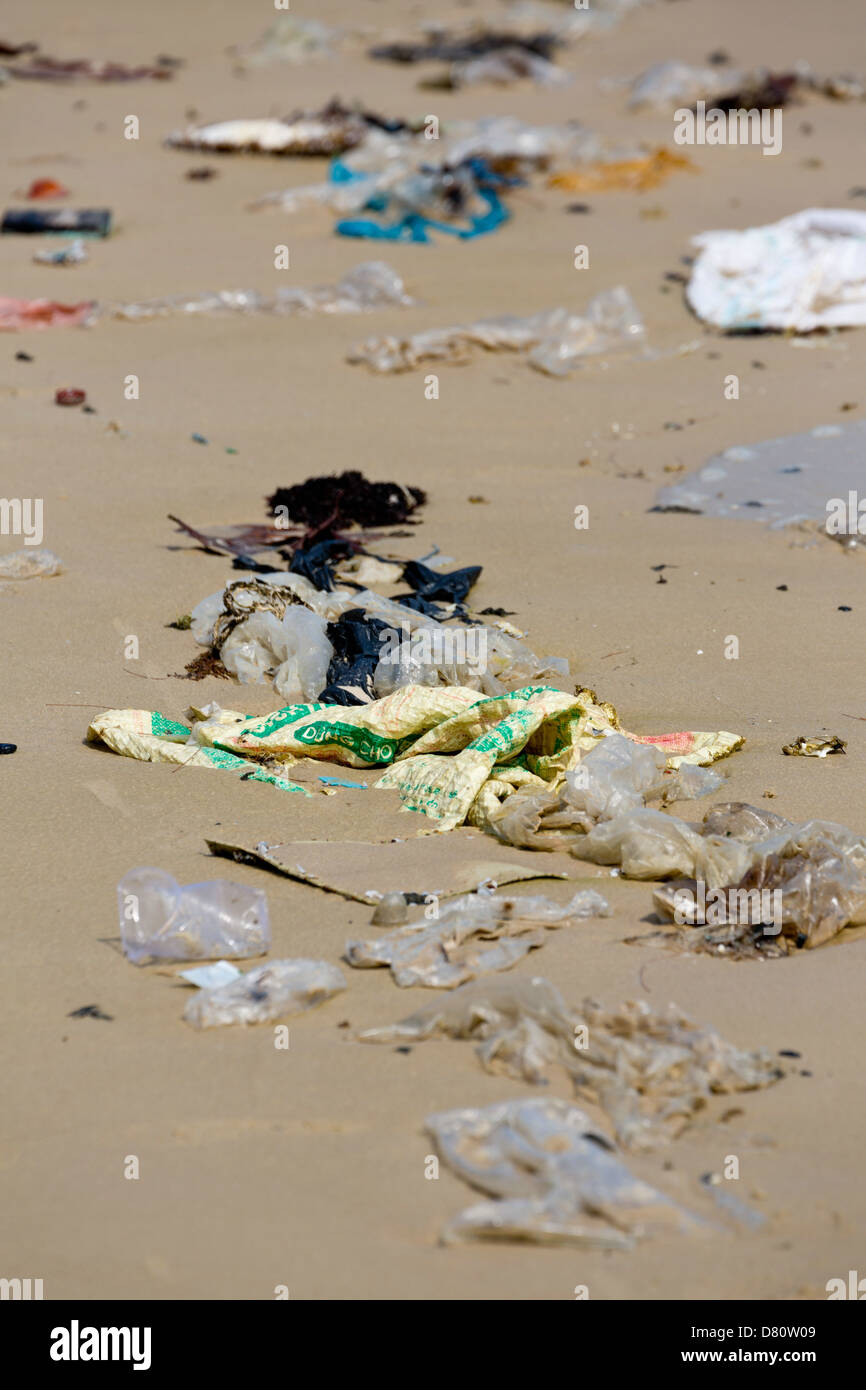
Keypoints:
(649, 1072)
(271, 991)
(162, 919)
(555, 341)
(616, 777)
(474, 935)
(806, 272)
(298, 642)
(555, 1178)
(809, 879)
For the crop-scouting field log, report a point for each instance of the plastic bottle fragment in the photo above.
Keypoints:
(269, 992)
(555, 1178)
(474, 935)
(30, 564)
(162, 920)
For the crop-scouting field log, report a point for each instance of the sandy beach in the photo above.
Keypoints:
(305, 1168)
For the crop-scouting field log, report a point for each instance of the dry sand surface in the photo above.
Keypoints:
(306, 1168)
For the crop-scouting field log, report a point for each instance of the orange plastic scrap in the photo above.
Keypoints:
(636, 175)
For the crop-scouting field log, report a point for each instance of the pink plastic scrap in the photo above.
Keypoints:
(42, 313)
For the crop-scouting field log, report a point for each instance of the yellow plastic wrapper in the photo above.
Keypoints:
(440, 745)
(636, 175)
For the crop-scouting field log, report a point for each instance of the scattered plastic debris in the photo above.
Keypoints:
(460, 199)
(806, 272)
(472, 936)
(649, 1072)
(160, 919)
(341, 782)
(818, 747)
(555, 341)
(762, 885)
(726, 88)
(615, 778)
(73, 254)
(69, 395)
(30, 564)
(8, 748)
(271, 991)
(555, 1177)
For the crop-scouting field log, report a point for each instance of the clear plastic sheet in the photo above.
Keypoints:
(269, 992)
(555, 342)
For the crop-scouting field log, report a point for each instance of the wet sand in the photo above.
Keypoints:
(305, 1168)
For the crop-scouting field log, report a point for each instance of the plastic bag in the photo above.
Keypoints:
(649, 1072)
(554, 341)
(806, 272)
(271, 991)
(370, 285)
(295, 649)
(160, 919)
(555, 1177)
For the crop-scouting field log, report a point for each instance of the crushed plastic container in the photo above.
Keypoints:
(160, 919)
(270, 991)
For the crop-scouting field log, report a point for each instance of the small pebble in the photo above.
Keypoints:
(782, 588)
(8, 748)
(789, 1052)
(23, 357)
(405, 1050)
(199, 439)
(844, 608)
